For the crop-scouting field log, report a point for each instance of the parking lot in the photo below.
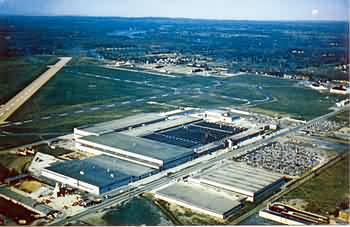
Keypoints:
(323, 127)
(286, 158)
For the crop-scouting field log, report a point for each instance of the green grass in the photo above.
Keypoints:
(342, 117)
(14, 141)
(327, 191)
(65, 125)
(16, 73)
(299, 102)
(15, 162)
(69, 91)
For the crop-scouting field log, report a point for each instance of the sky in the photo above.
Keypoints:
(201, 9)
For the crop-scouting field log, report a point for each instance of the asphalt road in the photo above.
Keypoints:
(17, 101)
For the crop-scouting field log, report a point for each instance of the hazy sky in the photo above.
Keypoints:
(206, 9)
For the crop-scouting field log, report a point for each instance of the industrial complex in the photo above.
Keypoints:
(135, 147)
(160, 153)
(215, 163)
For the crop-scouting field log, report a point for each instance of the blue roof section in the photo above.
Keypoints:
(141, 146)
(100, 170)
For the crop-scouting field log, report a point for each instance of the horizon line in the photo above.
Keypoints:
(178, 18)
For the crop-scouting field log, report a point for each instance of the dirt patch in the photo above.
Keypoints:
(28, 186)
(189, 217)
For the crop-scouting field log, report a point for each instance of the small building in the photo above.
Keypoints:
(240, 178)
(340, 90)
(220, 116)
(288, 215)
(200, 199)
(98, 174)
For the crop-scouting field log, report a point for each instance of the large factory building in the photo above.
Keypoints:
(135, 149)
(146, 142)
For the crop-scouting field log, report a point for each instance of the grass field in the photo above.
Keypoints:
(82, 89)
(15, 162)
(77, 88)
(324, 193)
(16, 73)
(299, 102)
(342, 117)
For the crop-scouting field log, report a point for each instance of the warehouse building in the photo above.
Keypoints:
(240, 178)
(200, 199)
(135, 149)
(118, 125)
(155, 141)
(98, 174)
(148, 143)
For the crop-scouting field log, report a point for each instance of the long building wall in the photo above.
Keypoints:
(177, 162)
(97, 151)
(269, 188)
(71, 182)
(111, 151)
(96, 190)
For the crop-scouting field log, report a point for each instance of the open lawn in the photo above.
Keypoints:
(15, 162)
(342, 117)
(16, 73)
(324, 193)
(81, 94)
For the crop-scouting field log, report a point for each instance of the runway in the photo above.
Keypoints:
(17, 101)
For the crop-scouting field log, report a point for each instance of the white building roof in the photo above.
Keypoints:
(239, 177)
(200, 197)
